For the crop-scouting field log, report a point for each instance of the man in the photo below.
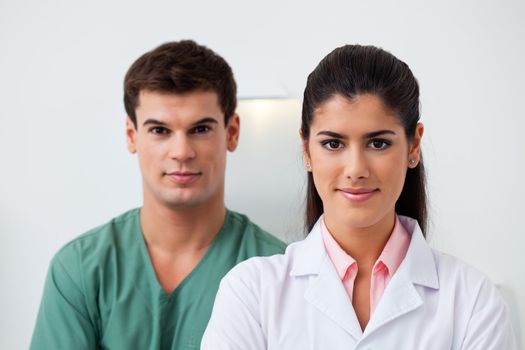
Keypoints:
(148, 278)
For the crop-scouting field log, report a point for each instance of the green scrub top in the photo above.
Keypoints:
(102, 292)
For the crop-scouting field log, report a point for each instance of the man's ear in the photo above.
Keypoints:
(415, 146)
(131, 135)
(232, 132)
(306, 152)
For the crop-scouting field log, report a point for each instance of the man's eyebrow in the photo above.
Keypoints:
(154, 122)
(205, 121)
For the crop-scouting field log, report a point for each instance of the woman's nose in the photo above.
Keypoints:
(356, 166)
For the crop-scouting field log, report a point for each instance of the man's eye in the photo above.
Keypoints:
(158, 130)
(379, 144)
(332, 144)
(200, 129)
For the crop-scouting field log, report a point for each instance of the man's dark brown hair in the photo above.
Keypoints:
(179, 67)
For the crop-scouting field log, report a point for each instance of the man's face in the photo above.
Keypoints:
(181, 143)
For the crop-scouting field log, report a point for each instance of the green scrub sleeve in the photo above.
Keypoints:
(63, 320)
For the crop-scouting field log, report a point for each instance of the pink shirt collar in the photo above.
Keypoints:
(391, 257)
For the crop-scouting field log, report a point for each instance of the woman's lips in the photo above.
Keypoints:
(358, 195)
(183, 177)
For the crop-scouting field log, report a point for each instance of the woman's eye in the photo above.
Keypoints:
(332, 144)
(379, 144)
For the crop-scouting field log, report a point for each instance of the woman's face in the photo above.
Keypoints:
(359, 154)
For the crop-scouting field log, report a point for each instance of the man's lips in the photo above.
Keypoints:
(183, 177)
(358, 195)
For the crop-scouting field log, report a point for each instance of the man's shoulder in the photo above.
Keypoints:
(252, 234)
(100, 239)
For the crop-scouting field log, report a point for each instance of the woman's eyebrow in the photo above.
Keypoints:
(367, 135)
(331, 134)
(379, 133)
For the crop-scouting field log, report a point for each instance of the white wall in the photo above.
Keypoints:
(64, 167)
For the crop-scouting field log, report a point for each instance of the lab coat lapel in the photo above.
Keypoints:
(325, 290)
(401, 296)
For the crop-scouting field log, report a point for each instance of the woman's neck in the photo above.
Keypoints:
(363, 244)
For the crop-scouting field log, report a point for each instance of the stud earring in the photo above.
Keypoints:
(412, 161)
(308, 166)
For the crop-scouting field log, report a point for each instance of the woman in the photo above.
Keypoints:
(364, 278)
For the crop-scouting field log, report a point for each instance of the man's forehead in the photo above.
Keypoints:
(207, 94)
(188, 108)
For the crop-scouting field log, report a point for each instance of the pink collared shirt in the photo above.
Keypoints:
(384, 268)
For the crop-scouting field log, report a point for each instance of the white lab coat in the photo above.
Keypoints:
(297, 301)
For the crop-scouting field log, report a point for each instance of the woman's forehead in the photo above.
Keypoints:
(363, 114)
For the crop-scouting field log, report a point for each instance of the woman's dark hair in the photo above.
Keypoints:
(353, 70)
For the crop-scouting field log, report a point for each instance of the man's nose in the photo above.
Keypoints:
(181, 148)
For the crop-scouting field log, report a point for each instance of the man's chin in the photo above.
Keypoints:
(183, 202)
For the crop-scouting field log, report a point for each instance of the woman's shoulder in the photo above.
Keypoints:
(450, 267)
(451, 271)
(477, 300)
(265, 269)
(464, 282)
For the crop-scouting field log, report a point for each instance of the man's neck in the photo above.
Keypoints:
(181, 230)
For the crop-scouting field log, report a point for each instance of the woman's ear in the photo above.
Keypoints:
(415, 146)
(306, 152)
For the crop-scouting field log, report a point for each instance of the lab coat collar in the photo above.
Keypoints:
(327, 294)
(417, 268)
(325, 290)
(418, 265)
(309, 253)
